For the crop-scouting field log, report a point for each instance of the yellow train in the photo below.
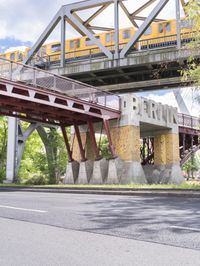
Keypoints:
(159, 34)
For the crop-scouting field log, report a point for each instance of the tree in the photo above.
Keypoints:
(45, 157)
(190, 167)
(192, 71)
(3, 147)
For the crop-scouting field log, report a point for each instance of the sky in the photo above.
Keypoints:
(23, 21)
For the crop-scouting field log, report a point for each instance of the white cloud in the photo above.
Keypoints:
(16, 48)
(25, 20)
(188, 95)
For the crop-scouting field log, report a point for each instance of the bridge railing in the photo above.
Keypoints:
(188, 121)
(15, 71)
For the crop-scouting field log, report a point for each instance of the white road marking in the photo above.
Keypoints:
(186, 228)
(22, 209)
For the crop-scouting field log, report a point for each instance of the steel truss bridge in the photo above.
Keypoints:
(120, 68)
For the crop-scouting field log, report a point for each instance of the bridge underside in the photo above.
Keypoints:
(156, 69)
(35, 104)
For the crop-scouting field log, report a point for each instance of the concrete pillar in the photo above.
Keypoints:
(166, 158)
(126, 140)
(11, 149)
(166, 149)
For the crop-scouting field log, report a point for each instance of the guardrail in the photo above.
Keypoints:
(19, 72)
(188, 121)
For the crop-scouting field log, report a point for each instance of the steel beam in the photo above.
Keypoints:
(44, 35)
(93, 140)
(100, 28)
(62, 54)
(69, 152)
(87, 4)
(98, 12)
(143, 27)
(22, 138)
(80, 144)
(140, 9)
(116, 14)
(111, 146)
(88, 33)
(181, 103)
(178, 24)
(128, 15)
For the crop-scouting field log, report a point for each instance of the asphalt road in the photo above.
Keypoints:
(73, 229)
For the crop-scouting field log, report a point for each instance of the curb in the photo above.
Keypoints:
(192, 193)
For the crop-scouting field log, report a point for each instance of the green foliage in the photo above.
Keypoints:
(192, 72)
(3, 147)
(104, 148)
(36, 179)
(44, 160)
(34, 159)
(191, 166)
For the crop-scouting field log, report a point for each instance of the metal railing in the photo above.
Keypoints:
(15, 71)
(188, 121)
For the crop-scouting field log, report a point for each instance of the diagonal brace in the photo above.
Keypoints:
(143, 27)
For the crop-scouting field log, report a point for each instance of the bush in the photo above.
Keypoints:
(36, 180)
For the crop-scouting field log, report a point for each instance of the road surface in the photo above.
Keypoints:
(74, 229)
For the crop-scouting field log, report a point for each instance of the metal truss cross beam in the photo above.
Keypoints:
(69, 13)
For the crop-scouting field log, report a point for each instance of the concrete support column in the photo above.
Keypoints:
(166, 149)
(166, 158)
(11, 149)
(126, 140)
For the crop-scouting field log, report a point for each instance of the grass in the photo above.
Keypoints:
(185, 185)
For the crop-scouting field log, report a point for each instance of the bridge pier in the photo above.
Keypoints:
(166, 168)
(139, 118)
(126, 140)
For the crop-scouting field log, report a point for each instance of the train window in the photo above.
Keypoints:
(77, 43)
(126, 34)
(148, 31)
(168, 27)
(71, 44)
(160, 28)
(12, 56)
(110, 37)
(20, 56)
(56, 47)
(89, 42)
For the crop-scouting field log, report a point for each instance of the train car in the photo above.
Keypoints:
(163, 34)
(159, 34)
(16, 56)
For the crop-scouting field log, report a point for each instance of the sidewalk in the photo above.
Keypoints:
(107, 191)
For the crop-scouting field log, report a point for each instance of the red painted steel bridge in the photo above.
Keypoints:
(36, 95)
(33, 94)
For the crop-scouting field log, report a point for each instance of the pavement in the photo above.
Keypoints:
(40, 228)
